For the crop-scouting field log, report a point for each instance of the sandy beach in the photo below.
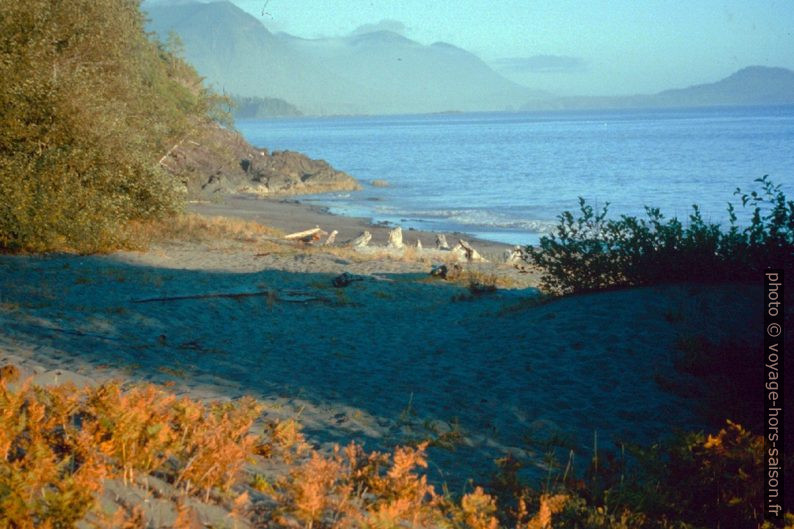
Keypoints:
(392, 359)
(291, 215)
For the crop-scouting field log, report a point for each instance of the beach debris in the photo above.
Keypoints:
(441, 242)
(418, 244)
(311, 235)
(519, 258)
(362, 240)
(331, 238)
(396, 238)
(516, 255)
(345, 279)
(465, 251)
(447, 272)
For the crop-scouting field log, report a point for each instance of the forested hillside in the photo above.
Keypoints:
(89, 104)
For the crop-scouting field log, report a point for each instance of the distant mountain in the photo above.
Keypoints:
(751, 86)
(378, 72)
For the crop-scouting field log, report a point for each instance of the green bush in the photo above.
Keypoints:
(592, 252)
(88, 106)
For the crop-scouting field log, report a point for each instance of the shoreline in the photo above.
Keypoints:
(291, 215)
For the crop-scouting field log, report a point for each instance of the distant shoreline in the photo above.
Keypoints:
(539, 111)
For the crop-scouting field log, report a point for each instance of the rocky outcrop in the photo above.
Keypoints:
(214, 160)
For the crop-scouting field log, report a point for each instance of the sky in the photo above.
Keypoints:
(569, 47)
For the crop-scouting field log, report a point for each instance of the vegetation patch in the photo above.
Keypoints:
(591, 252)
(88, 106)
(60, 446)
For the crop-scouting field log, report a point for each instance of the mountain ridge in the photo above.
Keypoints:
(381, 71)
(750, 86)
(370, 73)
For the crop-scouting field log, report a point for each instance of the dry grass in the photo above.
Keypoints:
(483, 279)
(409, 254)
(192, 227)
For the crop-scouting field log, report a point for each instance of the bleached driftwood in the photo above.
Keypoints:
(362, 240)
(396, 238)
(301, 235)
(441, 242)
(519, 258)
(516, 255)
(331, 238)
(418, 244)
(465, 251)
(166, 155)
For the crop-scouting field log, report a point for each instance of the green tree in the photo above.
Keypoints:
(88, 106)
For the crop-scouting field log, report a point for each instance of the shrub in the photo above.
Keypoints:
(88, 106)
(593, 252)
(691, 481)
(58, 444)
(48, 470)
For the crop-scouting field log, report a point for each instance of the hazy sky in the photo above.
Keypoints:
(570, 47)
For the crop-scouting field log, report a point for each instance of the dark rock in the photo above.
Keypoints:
(215, 160)
(448, 272)
(345, 279)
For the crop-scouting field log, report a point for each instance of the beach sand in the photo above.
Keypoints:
(290, 215)
(394, 358)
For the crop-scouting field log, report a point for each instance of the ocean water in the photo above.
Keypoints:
(507, 176)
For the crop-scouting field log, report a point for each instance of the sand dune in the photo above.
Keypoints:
(382, 361)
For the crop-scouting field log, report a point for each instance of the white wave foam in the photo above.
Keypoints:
(473, 218)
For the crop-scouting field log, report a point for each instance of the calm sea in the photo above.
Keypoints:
(506, 176)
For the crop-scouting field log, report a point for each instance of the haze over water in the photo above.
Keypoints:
(506, 176)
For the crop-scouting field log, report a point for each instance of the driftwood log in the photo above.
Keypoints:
(288, 297)
(465, 251)
(345, 279)
(517, 255)
(441, 242)
(313, 234)
(331, 238)
(362, 240)
(396, 238)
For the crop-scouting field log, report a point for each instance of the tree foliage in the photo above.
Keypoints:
(89, 103)
(592, 252)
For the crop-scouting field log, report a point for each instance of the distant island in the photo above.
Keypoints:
(751, 86)
(263, 107)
